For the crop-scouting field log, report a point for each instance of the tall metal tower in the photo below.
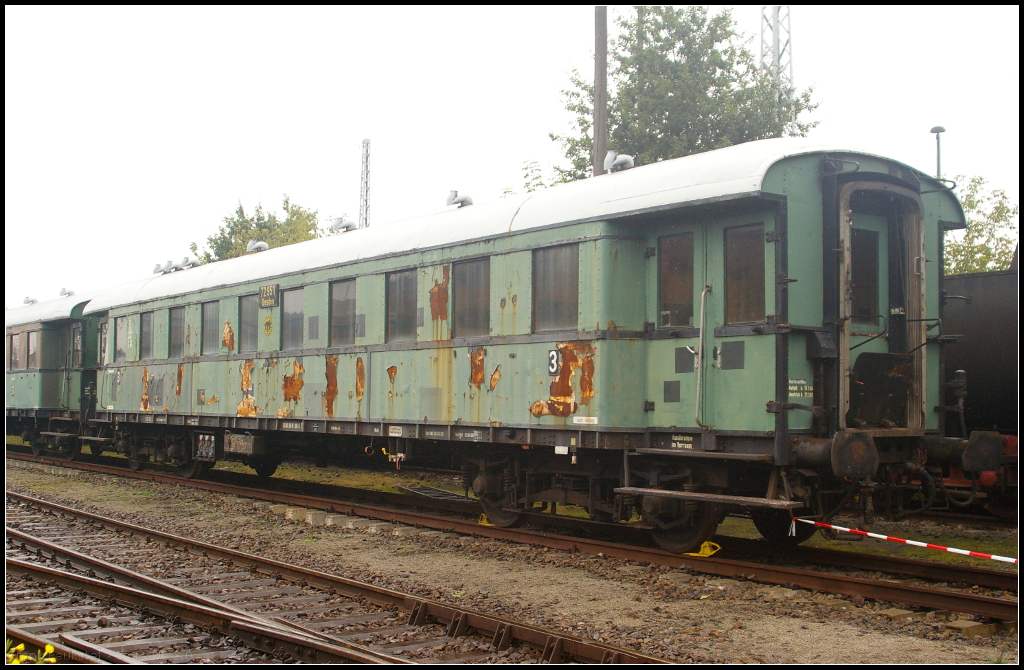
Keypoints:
(364, 188)
(777, 50)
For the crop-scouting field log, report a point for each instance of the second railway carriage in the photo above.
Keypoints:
(755, 328)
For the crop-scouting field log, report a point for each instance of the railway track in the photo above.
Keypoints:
(760, 570)
(274, 607)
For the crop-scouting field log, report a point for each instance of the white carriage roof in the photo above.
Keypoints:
(51, 310)
(722, 173)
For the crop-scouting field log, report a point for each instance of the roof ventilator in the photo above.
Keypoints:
(256, 246)
(29, 301)
(461, 200)
(342, 225)
(616, 162)
(171, 266)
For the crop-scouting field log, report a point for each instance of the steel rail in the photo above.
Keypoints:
(840, 584)
(505, 631)
(264, 638)
(35, 644)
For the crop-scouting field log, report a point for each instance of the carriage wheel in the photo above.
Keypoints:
(499, 517)
(265, 468)
(690, 536)
(774, 524)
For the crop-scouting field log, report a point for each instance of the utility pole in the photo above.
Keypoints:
(600, 87)
(777, 53)
(364, 188)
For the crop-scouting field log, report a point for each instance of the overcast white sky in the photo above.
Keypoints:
(130, 133)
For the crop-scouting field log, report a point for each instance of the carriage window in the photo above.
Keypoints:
(103, 343)
(556, 288)
(8, 363)
(76, 345)
(401, 306)
(16, 352)
(176, 333)
(121, 338)
(145, 335)
(744, 274)
(471, 306)
(864, 276)
(248, 323)
(675, 280)
(211, 328)
(291, 323)
(33, 348)
(343, 312)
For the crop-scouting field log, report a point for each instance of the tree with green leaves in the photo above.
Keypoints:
(990, 241)
(681, 82)
(298, 225)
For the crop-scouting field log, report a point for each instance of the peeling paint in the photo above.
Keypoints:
(228, 337)
(284, 412)
(439, 297)
(247, 406)
(166, 409)
(292, 384)
(181, 373)
(212, 400)
(476, 367)
(332, 385)
(360, 379)
(562, 400)
(391, 375)
(495, 376)
(144, 403)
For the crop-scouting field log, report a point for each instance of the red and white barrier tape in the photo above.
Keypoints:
(978, 554)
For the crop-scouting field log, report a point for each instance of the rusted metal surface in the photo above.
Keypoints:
(476, 367)
(495, 376)
(247, 405)
(562, 400)
(332, 385)
(181, 373)
(292, 384)
(392, 371)
(360, 379)
(144, 402)
(35, 644)
(212, 399)
(439, 297)
(228, 336)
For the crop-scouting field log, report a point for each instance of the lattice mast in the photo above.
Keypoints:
(777, 54)
(364, 188)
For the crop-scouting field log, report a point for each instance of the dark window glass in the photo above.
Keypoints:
(16, 352)
(343, 312)
(744, 274)
(176, 333)
(556, 288)
(121, 338)
(8, 359)
(76, 345)
(472, 298)
(864, 276)
(291, 326)
(248, 323)
(211, 328)
(145, 335)
(675, 280)
(401, 306)
(104, 343)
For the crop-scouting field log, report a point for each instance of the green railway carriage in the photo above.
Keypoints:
(754, 328)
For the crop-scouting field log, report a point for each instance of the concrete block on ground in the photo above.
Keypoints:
(778, 593)
(242, 501)
(833, 603)
(897, 614)
(405, 531)
(279, 509)
(315, 517)
(722, 583)
(261, 505)
(295, 514)
(336, 520)
(380, 527)
(677, 577)
(356, 523)
(973, 628)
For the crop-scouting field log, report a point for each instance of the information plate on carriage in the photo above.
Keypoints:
(269, 295)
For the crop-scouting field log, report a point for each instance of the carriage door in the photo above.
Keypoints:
(882, 298)
(671, 375)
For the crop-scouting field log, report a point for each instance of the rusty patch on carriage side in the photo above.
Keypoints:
(562, 398)
(181, 373)
(228, 337)
(439, 297)
(495, 376)
(392, 371)
(144, 403)
(212, 400)
(360, 379)
(247, 406)
(284, 412)
(476, 367)
(332, 385)
(293, 383)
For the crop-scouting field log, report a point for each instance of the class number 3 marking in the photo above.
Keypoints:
(553, 364)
